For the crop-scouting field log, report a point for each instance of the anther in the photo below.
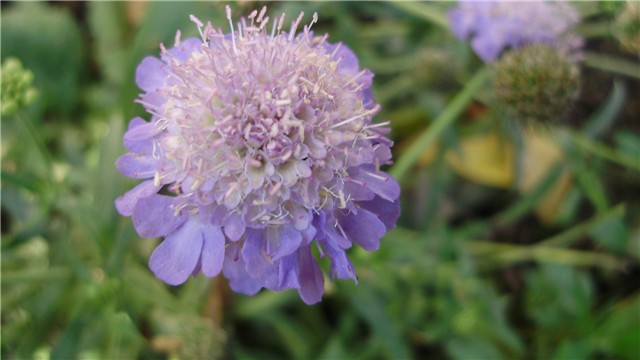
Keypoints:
(262, 12)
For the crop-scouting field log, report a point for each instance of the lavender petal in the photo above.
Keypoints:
(177, 256)
(363, 228)
(154, 216)
(126, 203)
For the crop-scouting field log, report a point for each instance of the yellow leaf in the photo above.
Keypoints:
(485, 159)
(540, 155)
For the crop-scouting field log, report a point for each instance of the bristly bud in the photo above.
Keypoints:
(266, 140)
(535, 84)
(627, 28)
(17, 91)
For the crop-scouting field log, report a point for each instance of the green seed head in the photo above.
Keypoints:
(17, 91)
(535, 84)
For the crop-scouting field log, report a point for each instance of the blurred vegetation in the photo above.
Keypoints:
(513, 243)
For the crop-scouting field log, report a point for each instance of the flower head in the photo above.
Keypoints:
(263, 143)
(495, 26)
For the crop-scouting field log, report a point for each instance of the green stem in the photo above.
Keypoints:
(510, 253)
(446, 118)
(426, 11)
(615, 65)
(548, 250)
(42, 149)
(527, 202)
(35, 275)
(592, 30)
(603, 151)
(568, 236)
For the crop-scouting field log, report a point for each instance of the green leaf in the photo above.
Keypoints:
(370, 305)
(611, 234)
(619, 334)
(607, 113)
(472, 348)
(109, 30)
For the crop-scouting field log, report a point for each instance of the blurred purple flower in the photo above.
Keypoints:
(263, 145)
(494, 26)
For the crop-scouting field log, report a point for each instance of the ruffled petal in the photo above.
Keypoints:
(150, 74)
(154, 216)
(152, 99)
(388, 212)
(310, 277)
(349, 63)
(341, 266)
(137, 166)
(142, 146)
(235, 270)
(255, 262)
(363, 228)
(212, 250)
(177, 256)
(460, 23)
(234, 227)
(288, 273)
(127, 202)
(488, 46)
(183, 51)
(281, 241)
(140, 129)
(379, 182)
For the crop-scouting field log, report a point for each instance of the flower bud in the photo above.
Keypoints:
(535, 83)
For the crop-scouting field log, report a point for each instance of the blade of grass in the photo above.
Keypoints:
(606, 114)
(603, 151)
(509, 253)
(446, 118)
(426, 11)
(612, 64)
(568, 236)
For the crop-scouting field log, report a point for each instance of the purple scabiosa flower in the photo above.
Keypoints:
(263, 145)
(494, 26)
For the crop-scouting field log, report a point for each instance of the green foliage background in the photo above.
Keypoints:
(469, 273)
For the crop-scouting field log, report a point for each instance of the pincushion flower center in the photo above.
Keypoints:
(256, 118)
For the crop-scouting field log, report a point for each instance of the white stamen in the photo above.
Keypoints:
(335, 51)
(376, 176)
(382, 124)
(280, 23)
(273, 29)
(199, 24)
(343, 202)
(294, 26)
(344, 122)
(176, 41)
(233, 35)
(353, 79)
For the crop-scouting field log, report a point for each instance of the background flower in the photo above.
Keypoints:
(494, 26)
